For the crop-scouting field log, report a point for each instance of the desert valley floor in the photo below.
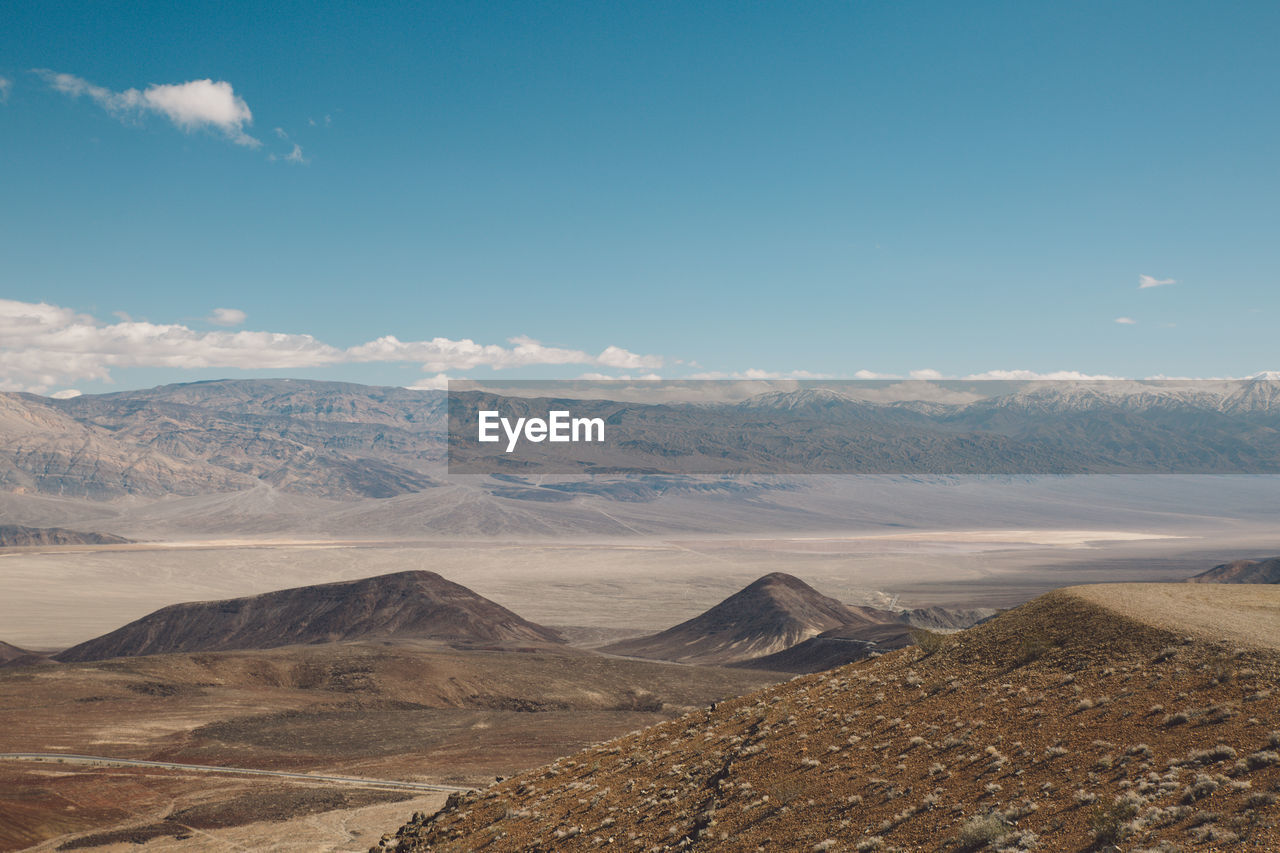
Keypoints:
(55, 596)
(458, 714)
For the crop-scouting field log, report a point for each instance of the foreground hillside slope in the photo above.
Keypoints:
(404, 605)
(773, 613)
(1089, 718)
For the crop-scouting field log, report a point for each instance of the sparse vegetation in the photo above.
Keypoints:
(1110, 823)
(981, 831)
(986, 751)
(929, 642)
(1033, 647)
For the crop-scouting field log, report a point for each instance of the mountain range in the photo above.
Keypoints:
(347, 442)
(944, 428)
(327, 439)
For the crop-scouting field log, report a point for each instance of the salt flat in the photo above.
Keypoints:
(53, 597)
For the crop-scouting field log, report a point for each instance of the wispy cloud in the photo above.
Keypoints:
(1145, 281)
(5, 85)
(226, 317)
(43, 346)
(1126, 321)
(196, 104)
(757, 373)
(624, 377)
(1032, 375)
(294, 156)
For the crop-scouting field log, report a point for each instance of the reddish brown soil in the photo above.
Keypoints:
(1062, 726)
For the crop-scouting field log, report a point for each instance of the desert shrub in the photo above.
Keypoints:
(1260, 799)
(1032, 647)
(1203, 786)
(1110, 823)
(1260, 759)
(1221, 669)
(1221, 752)
(928, 641)
(982, 830)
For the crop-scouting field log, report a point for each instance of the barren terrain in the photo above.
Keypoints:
(424, 712)
(51, 598)
(1069, 724)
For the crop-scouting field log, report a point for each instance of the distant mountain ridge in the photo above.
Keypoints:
(1242, 571)
(346, 442)
(327, 439)
(17, 536)
(403, 605)
(948, 427)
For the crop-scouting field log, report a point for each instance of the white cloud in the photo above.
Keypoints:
(926, 374)
(617, 357)
(440, 354)
(1031, 375)
(1145, 281)
(5, 85)
(43, 345)
(439, 382)
(295, 156)
(756, 373)
(625, 377)
(1126, 321)
(226, 317)
(65, 394)
(196, 104)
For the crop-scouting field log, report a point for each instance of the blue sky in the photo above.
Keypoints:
(675, 189)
